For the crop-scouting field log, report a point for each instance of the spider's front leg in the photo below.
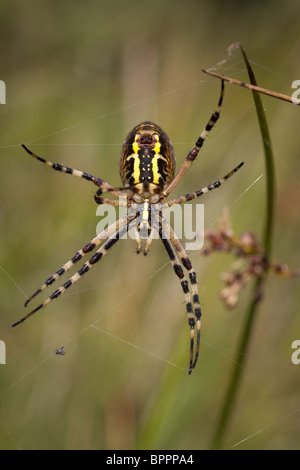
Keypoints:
(103, 185)
(192, 155)
(206, 189)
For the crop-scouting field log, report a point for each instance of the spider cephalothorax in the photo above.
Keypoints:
(147, 170)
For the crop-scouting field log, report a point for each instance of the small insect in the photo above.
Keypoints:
(147, 171)
(60, 351)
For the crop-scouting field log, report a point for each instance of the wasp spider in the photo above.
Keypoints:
(147, 171)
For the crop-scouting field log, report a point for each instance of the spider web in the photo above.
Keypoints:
(230, 65)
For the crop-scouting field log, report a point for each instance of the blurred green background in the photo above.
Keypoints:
(79, 76)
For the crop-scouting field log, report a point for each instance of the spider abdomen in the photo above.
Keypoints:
(147, 162)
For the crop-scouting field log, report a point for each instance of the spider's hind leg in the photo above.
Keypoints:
(113, 233)
(193, 310)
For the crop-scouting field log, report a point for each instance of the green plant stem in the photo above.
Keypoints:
(238, 369)
(269, 161)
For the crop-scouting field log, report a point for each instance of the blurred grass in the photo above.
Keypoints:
(259, 282)
(65, 64)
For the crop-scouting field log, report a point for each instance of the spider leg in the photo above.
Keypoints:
(185, 287)
(118, 232)
(86, 249)
(143, 232)
(112, 202)
(173, 241)
(206, 189)
(198, 145)
(103, 185)
(121, 202)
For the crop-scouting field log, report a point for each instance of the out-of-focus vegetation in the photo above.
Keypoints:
(79, 76)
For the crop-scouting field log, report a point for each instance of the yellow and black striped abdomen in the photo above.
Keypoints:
(147, 162)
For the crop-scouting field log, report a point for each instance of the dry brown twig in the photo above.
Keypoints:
(265, 91)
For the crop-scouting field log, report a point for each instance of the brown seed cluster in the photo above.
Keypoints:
(251, 261)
